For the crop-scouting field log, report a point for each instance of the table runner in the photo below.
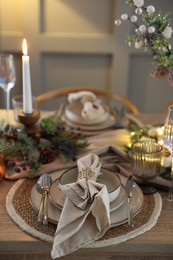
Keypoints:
(22, 213)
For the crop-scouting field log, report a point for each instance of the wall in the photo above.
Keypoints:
(75, 43)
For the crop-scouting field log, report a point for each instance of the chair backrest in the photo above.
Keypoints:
(56, 93)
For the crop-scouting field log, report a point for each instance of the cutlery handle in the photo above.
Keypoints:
(131, 218)
(40, 213)
(130, 214)
(45, 217)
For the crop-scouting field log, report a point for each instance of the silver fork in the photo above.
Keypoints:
(47, 181)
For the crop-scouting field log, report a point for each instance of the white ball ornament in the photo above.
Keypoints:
(124, 17)
(118, 22)
(138, 3)
(169, 47)
(142, 28)
(138, 11)
(165, 49)
(133, 18)
(150, 9)
(167, 33)
(138, 44)
(151, 29)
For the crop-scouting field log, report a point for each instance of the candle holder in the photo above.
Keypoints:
(29, 121)
(146, 162)
(2, 167)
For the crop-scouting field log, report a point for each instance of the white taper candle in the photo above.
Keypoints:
(27, 93)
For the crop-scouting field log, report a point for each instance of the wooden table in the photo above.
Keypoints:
(17, 245)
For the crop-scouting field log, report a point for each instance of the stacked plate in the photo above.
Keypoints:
(107, 177)
(118, 207)
(73, 118)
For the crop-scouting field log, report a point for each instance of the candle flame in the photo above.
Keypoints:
(24, 47)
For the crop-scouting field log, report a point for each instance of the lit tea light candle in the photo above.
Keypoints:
(2, 167)
(27, 93)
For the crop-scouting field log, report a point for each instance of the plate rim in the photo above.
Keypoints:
(60, 207)
(68, 170)
(108, 123)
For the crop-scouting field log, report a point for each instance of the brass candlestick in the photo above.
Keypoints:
(29, 122)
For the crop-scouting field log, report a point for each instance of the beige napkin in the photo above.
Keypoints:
(81, 95)
(118, 137)
(92, 106)
(92, 109)
(89, 167)
(85, 216)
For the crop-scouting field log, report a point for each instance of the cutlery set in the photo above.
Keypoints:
(43, 186)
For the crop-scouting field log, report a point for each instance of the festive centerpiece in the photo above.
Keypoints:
(21, 152)
(152, 32)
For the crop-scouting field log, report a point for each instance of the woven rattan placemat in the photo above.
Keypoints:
(21, 211)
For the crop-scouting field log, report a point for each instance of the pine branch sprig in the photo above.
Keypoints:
(152, 32)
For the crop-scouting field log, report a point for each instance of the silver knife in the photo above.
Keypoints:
(129, 190)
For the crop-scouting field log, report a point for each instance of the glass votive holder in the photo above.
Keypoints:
(146, 160)
(17, 102)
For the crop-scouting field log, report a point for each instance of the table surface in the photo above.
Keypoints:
(156, 243)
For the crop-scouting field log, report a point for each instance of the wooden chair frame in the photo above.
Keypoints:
(53, 94)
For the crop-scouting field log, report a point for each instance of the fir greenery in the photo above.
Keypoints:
(67, 142)
(15, 143)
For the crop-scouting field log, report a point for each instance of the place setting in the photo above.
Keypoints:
(71, 202)
(89, 113)
(116, 189)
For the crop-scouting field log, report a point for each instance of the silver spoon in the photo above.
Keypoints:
(43, 185)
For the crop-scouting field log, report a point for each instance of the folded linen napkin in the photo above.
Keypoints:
(81, 95)
(80, 222)
(92, 109)
(92, 106)
(89, 167)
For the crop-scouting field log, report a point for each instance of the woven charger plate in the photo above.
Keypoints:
(22, 213)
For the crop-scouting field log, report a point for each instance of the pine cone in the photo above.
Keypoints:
(46, 155)
(170, 78)
(159, 72)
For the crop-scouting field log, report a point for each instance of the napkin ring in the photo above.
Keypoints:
(88, 174)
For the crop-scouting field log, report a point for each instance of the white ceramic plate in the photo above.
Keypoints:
(58, 199)
(73, 113)
(118, 215)
(109, 122)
